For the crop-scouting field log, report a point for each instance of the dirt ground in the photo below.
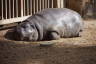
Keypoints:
(79, 50)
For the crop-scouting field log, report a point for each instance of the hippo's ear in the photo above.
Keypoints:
(32, 26)
(22, 22)
(19, 22)
(25, 21)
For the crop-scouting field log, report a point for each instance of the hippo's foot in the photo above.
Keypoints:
(78, 35)
(54, 36)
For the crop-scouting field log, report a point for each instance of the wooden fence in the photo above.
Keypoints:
(17, 10)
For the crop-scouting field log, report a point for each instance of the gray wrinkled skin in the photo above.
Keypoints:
(50, 24)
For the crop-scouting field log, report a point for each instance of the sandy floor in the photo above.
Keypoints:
(79, 50)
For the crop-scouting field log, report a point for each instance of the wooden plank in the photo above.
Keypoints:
(12, 20)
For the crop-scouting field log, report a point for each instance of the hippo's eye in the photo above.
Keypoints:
(32, 26)
(23, 26)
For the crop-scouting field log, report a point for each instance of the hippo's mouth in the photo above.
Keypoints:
(25, 39)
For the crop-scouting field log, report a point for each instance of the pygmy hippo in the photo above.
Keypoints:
(51, 24)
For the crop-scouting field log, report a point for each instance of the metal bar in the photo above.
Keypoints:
(27, 7)
(30, 7)
(6, 9)
(16, 8)
(13, 10)
(2, 9)
(52, 3)
(34, 6)
(37, 6)
(48, 3)
(21, 8)
(58, 3)
(24, 7)
(62, 3)
(9, 9)
(40, 4)
(43, 4)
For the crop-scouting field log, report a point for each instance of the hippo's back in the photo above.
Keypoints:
(56, 13)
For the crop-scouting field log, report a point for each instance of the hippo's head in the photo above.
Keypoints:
(26, 31)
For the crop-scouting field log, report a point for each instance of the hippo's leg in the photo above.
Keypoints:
(30, 37)
(54, 36)
(80, 33)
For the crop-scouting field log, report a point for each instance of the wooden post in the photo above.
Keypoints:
(21, 8)
(34, 4)
(37, 6)
(62, 3)
(58, 3)
(30, 7)
(6, 8)
(48, 2)
(13, 10)
(9, 9)
(2, 9)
